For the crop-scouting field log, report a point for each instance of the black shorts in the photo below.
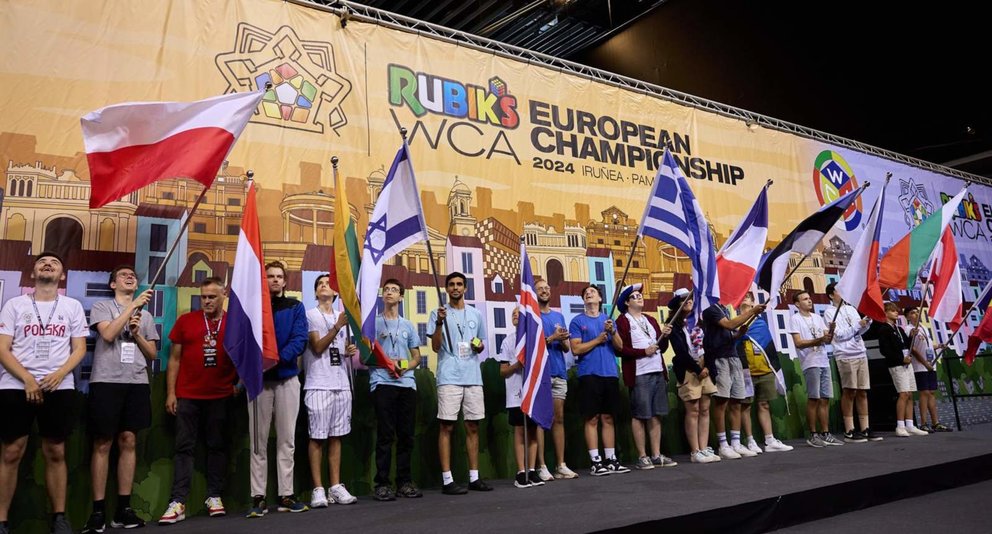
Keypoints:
(54, 415)
(598, 395)
(116, 408)
(516, 417)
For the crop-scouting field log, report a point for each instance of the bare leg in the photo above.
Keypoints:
(56, 473)
(703, 428)
(540, 446)
(608, 431)
(558, 430)
(444, 445)
(10, 459)
(126, 462)
(592, 437)
(313, 452)
(654, 434)
(637, 428)
(746, 429)
(99, 466)
(765, 418)
(823, 414)
(472, 443)
(691, 424)
(720, 413)
(334, 460)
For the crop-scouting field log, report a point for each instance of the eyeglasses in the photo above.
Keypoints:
(390, 290)
(636, 296)
(126, 275)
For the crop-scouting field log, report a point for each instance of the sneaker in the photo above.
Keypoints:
(521, 480)
(545, 475)
(258, 507)
(564, 472)
(902, 432)
(96, 523)
(452, 488)
(535, 479)
(409, 490)
(871, 435)
(926, 428)
(318, 498)
(126, 518)
(340, 495)
(3, 529)
(777, 446)
(289, 504)
(829, 439)
(384, 493)
(175, 513)
(728, 452)
(815, 441)
(598, 469)
(60, 525)
(743, 451)
(663, 461)
(940, 427)
(615, 466)
(480, 485)
(713, 456)
(855, 436)
(644, 463)
(913, 431)
(699, 457)
(215, 507)
(753, 446)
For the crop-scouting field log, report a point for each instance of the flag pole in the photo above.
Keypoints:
(347, 325)
(182, 230)
(964, 319)
(430, 254)
(630, 258)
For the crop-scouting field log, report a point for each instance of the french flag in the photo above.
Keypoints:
(250, 337)
(131, 145)
(737, 262)
(859, 284)
(532, 350)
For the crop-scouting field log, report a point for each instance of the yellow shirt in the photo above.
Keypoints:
(755, 360)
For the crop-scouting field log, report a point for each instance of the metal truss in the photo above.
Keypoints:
(351, 11)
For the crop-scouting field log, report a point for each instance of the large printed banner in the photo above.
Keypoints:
(502, 149)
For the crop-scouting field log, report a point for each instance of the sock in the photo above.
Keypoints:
(863, 420)
(99, 506)
(769, 439)
(735, 438)
(446, 478)
(722, 436)
(900, 424)
(909, 423)
(123, 502)
(473, 475)
(611, 454)
(848, 423)
(750, 440)
(334, 486)
(520, 472)
(594, 455)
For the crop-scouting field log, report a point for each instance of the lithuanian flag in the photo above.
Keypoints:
(346, 263)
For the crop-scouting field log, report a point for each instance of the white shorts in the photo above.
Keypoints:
(468, 399)
(329, 412)
(903, 378)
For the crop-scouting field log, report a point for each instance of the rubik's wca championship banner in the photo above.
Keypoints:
(502, 149)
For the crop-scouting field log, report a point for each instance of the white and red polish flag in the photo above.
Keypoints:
(133, 144)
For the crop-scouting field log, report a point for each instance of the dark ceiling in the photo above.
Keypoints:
(901, 76)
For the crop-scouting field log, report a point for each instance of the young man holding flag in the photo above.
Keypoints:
(810, 336)
(512, 371)
(924, 354)
(556, 336)
(852, 365)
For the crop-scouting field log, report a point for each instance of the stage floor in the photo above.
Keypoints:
(751, 494)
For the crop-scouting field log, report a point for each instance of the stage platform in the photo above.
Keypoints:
(773, 490)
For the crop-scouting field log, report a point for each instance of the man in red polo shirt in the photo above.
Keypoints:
(200, 379)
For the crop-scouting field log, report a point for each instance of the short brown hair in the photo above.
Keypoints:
(276, 265)
(119, 268)
(891, 306)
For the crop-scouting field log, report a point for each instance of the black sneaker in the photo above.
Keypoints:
(535, 479)
(60, 525)
(126, 518)
(453, 489)
(855, 436)
(871, 436)
(926, 428)
(384, 493)
(479, 485)
(940, 427)
(615, 466)
(598, 469)
(409, 491)
(522, 481)
(96, 523)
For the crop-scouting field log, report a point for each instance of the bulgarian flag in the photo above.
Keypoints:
(900, 266)
(346, 262)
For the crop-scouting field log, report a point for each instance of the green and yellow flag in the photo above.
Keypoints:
(346, 263)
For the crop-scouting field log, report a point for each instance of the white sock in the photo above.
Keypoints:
(611, 454)
(594, 455)
(769, 439)
(900, 424)
(722, 436)
(446, 477)
(909, 423)
(735, 438)
(473, 475)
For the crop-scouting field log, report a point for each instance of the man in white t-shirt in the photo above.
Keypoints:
(42, 339)
(810, 336)
(852, 365)
(512, 371)
(327, 392)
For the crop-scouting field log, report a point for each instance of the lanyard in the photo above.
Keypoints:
(126, 331)
(212, 334)
(329, 326)
(44, 325)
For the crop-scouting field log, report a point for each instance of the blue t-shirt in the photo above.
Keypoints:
(600, 361)
(718, 342)
(459, 366)
(397, 337)
(556, 356)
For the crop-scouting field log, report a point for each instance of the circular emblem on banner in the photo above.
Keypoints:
(471, 324)
(833, 178)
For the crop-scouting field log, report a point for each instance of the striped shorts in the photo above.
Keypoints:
(329, 412)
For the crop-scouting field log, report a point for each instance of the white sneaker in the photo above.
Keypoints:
(700, 457)
(752, 446)
(777, 446)
(913, 431)
(544, 474)
(728, 452)
(340, 495)
(565, 472)
(714, 457)
(318, 499)
(902, 432)
(743, 451)
(175, 513)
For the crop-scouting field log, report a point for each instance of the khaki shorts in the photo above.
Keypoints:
(559, 388)
(854, 373)
(693, 388)
(903, 378)
(468, 399)
(764, 387)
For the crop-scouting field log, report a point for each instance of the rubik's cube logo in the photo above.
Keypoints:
(497, 87)
(307, 90)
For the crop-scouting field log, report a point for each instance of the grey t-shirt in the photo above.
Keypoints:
(107, 365)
